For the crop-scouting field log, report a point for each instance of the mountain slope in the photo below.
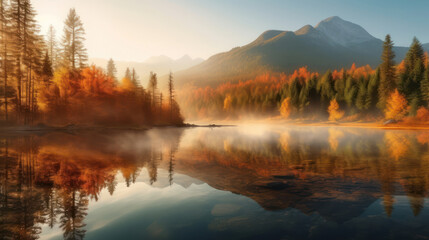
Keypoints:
(333, 43)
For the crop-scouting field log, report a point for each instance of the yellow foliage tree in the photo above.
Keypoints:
(227, 103)
(334, 111)
(285, 108)
(396, 106)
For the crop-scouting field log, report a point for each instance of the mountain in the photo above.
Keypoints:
(161, 65)
(334, 43)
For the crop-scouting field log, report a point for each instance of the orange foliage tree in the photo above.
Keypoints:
(285, 108)
(90, 96)
(334, 111)
(396, 106)
(227, 103)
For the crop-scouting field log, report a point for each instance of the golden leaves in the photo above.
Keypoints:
(396, 106)
(285, 108)
(334, 112)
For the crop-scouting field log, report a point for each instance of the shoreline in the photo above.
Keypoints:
(374, 125)
(74, 128)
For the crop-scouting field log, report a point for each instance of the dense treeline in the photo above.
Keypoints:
(393, 91)
(45, 81)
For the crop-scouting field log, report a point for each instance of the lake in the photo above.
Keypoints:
(244, 182)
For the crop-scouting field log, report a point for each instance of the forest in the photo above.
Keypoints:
(45, 81)
(396, 92)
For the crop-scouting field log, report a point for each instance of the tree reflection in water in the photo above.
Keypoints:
(51, 179)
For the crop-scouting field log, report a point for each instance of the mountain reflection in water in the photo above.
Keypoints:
(240, 182)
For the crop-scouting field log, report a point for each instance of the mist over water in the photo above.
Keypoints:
(243, 182)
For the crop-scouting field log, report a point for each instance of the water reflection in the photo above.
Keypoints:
(339, 175)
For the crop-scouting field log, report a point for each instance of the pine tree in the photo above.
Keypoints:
(27, 55)
(111, 69)
(15, 15)
(52, 46)
(32, 57)
(171, 95)
(361, 98)
(350, 91)
(373, 85)
(326, 87)
(387, 72)
(47, 71)
(73, 50)
(135, 78)
(5, 55)
(152, 87)
(425, 87)
(127, 74)
(411, 80)
(293, 93)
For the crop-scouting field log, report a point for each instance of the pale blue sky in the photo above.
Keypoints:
(137, 29)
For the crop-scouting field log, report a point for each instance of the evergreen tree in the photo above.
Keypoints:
(171, 93)
(326, 87)
(27, 54)
(5, 55)
(52, 46)
(425, 87)
(411, 80)
(293, 93)
(135, 78)
(303, 98)
(350, 91)
(73, 50)
(373, 86)
(387, 72)
(111, 69)
(361, 98)
(47, 68)
(152, 87)
(15, 15)
(128, 74)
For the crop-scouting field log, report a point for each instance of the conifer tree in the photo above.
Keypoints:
(5, 55)
(47, 71)
(135, 78)
(326, 87)
(152, 87)
(171, 95)
(52, 46)
(15, 14)
(425, 87)
(373, 85)
(111, 69)
(411, 80)
(73, 50)
(387, 72)
(26, 53)
(128, 74)
(361, 98)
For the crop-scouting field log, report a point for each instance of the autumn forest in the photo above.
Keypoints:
(214, 119)
(49, 82)
(391, 91)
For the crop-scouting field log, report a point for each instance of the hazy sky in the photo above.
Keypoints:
(137, 29)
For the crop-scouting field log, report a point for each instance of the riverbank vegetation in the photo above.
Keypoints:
(391, 91)
(50, 82)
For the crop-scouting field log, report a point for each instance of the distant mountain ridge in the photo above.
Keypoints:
(161, 65)
(334, 43)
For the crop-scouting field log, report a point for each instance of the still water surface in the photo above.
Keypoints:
(249, 182)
